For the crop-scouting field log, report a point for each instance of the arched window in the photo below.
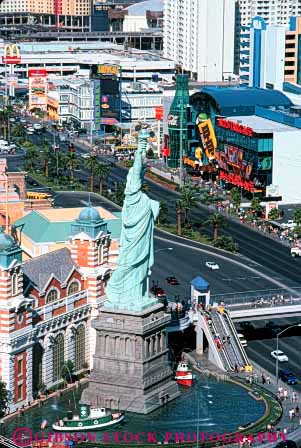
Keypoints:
(80, 347)
(58, 357)
(73, 288)
(14, 284)
(100, 254)
(52, 296)
(127, 346)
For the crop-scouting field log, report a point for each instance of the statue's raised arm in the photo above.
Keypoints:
(134, 177)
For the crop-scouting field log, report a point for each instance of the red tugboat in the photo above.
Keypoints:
(184, 375)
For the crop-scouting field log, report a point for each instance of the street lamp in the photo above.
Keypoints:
(149, 272)
(277, 347)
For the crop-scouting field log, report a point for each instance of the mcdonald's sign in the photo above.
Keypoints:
(11, 54)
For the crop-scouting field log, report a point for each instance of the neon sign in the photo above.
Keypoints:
(236, 127)
(238, 181)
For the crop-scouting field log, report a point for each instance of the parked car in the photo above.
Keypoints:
(278, 354)
(212, 265)
(172, 280)
(288, 377)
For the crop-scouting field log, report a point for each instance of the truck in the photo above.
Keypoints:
(296, 251)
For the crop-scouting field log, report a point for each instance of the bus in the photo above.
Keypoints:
(36, 195)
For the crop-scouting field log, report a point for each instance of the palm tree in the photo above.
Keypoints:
(162, 217)
(119, 193)
(18, 131)
(236, 197)
(71, 163)
(4, 116)
(101, 171)
(179, 217)
(46, 156)
(188, 200)
(297, 216)
(217, 221)
(31, 157)
(90, 163)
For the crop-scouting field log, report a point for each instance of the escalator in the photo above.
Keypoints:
(231, 343)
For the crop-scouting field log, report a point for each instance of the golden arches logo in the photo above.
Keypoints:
(11, 54)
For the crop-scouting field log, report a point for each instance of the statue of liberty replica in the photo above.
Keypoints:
(130, 368)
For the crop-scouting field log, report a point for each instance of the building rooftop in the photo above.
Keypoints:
(54, 225)
(261, 125)
(38, 270)
(139, 9)
(231, 101)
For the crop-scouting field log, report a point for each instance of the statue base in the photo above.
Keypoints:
(137, 306)
(131, 370)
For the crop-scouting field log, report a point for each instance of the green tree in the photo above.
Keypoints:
(46, 156)
(72, 163)
(297, 216)
(226, 243)
(274, 214)
(256, 206)
(217, 221)
(188, 200)
(119, 193)
(90, 163)
(31, 157)
(235, 197)
(179, 217)
(163, 213)
(18, 131)
(3, 398)
(68, 371)
(101, 171)
(5, 113)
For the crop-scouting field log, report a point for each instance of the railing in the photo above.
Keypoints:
(250, 297)
(8, 443)
(234, 333)
(226, 362)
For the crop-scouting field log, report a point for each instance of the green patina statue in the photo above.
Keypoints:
(128, 287)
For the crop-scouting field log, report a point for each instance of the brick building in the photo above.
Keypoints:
(46, 305)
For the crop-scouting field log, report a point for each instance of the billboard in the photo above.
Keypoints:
(11, 54)
(38, 89)
(108, 70)
(231, 159)
(208, 138)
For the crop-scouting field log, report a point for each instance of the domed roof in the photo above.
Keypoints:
(6, 241)
(89, 214)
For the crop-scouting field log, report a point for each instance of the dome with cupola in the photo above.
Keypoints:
(89, 214)
(6, 241)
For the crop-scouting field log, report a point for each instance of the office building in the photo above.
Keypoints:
(262, 54)
(272, 11)
(199, 37)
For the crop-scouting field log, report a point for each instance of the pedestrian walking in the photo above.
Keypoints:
(268, 379)
(285, 394)
(291, 414)
(236, 368)
(263, 379)
(294, 397)
(297, 410)
(255, 378)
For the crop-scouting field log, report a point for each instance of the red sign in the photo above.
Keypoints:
(41, 73)
(166, 152)
(11, 60)
(237, 180)
(159, 113)
(236, 127)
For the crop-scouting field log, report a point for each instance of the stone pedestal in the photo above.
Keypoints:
(131, 370)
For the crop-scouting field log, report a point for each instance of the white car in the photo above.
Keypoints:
(86, 156)
(212, 265)
(37, 126)
(278, 354)
(242, 339)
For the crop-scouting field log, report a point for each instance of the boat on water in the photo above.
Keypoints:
(88, 418)
(184, 375)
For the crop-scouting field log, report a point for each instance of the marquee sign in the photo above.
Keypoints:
(208, 138)
(11, 54)
(236, 127)
(108, 70)
(238, 181)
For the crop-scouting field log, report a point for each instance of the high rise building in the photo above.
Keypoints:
(199, 37)
(272, 11)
